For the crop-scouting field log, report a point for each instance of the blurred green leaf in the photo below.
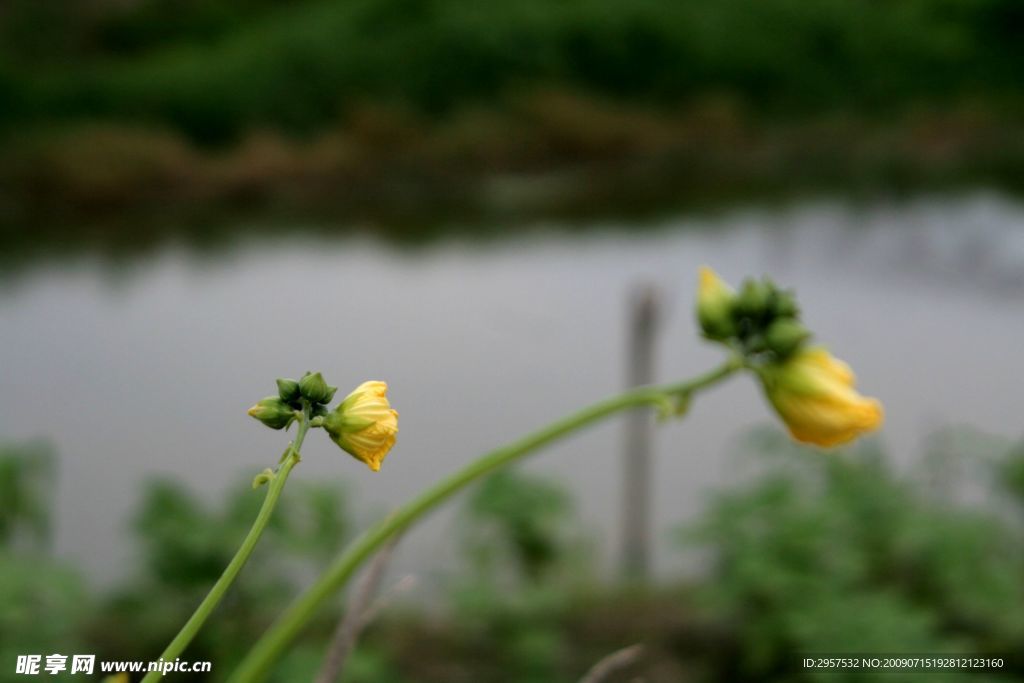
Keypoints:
(27, 487)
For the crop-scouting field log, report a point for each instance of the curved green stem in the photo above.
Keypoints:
(195, 622)
(273, 643)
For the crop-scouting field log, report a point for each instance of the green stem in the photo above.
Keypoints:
(195, 622)
(273, 643)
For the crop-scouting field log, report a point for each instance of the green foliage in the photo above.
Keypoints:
(812, 553)
(520, 538)
(1013, 474)
(366, 664)
(187, 543)
(43, 609)
(518, 522)
(214, 69)
(836, 553)
(27, 478)
(510, 634)
(43, 604)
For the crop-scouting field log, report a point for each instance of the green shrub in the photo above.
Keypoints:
(836, 553)
(217, 69)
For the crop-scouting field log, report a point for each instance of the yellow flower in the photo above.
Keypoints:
(364, 425)
(714, 305)
(814, 395)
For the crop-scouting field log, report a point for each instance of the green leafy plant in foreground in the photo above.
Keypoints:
(840, 555)
(956, 581)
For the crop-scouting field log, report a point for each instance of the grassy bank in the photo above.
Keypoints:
(117, 116)
(552, 153)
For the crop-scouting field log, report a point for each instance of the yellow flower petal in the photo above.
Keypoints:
(364, 424)
(813, 394)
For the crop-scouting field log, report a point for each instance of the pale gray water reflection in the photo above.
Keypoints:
(150, 373)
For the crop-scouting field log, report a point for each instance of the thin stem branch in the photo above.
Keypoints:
(213, 598)
(274, 642)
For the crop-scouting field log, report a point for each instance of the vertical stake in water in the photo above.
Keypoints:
(636, 502)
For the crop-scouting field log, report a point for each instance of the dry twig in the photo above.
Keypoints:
(616, 661)
(356, 617)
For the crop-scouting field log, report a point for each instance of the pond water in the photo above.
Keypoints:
(147, 369)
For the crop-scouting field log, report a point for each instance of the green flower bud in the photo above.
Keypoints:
(785, 335)
(714, 306)
(754, 299)
(288, 390)
(273, 412)
(314, 389)
(784, 305)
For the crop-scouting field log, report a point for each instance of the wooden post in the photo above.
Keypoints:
(636, 502)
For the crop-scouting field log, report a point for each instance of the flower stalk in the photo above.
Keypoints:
(290, 458)
(271, 646)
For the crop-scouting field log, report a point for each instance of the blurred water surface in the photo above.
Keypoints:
(147, 368)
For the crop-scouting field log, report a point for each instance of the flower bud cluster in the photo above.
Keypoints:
(363, 424)
(759, 320)
(812, 391)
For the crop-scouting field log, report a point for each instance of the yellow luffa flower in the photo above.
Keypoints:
(813, 393)
(364, 425)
